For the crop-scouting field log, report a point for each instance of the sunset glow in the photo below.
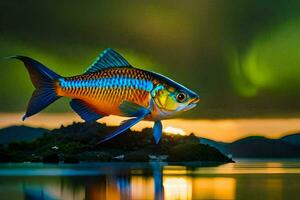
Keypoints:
(226, 130)
(174, 130)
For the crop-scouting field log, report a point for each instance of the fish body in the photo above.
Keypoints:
(111, 86)
(106, 90)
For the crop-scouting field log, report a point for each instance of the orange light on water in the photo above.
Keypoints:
(177, 187)
(214, 188)
(142, 187)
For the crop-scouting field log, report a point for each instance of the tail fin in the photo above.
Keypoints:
(43, 81)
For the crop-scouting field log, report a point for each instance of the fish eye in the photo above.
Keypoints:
(181, 97)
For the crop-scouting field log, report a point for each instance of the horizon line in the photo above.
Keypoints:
(223, 130)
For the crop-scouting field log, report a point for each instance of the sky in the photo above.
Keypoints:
(242, 58)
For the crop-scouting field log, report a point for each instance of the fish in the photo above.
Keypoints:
(110, 86)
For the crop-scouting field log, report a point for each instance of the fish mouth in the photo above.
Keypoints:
(195, 100)
(193, 103)
(190, 106)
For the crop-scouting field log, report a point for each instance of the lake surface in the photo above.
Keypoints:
(246, 179)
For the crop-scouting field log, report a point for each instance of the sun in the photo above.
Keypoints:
(174, 130)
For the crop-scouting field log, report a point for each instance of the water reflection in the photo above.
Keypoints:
(214, 188)
(151, 181)
(178, 187)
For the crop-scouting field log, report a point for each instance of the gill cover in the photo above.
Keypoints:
(165, 98)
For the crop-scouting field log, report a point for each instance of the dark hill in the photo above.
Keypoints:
(83, 137)
(259, 147)
(292, 139)
(221, 146)
(20, 133)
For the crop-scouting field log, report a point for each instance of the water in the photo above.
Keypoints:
(246, 179)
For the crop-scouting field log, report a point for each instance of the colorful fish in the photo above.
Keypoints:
(111, 86)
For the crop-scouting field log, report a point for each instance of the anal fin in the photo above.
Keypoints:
(84, 111)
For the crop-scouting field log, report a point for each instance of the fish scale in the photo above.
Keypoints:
(112, 86)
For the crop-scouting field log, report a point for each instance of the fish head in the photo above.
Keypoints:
(171, 98)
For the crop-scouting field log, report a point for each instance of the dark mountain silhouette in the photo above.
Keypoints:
(20, 133)
(259, 147)
(292, 139)
(80, 137)
(219, 145)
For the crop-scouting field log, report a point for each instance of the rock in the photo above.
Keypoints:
(196, 152)
(71, 159)
(136, 156)
(95, 156)
(51, 158)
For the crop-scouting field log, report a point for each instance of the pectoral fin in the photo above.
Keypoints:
(157, 131)
(84, 111)
(133, 109)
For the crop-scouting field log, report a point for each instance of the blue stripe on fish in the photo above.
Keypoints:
(108, 83)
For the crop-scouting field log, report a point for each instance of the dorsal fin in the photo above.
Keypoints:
(107, 59)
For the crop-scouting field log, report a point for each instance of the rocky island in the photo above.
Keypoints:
(79, 142)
